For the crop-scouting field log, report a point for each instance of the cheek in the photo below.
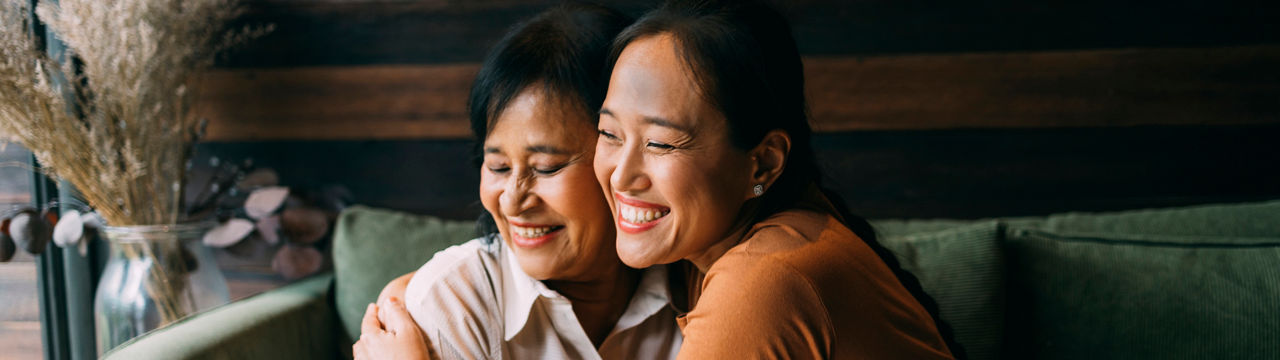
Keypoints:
(603, 164)
(490, 190)
(703, 192)
(578, 196)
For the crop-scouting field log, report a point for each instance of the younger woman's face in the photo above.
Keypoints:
(674, 180)
(538, 184)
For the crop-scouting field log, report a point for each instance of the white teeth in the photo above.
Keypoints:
(531, 232)
(639, 215)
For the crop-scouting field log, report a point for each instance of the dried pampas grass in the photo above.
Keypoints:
(122, 132)
(114, 118)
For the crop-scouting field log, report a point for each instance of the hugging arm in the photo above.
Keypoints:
(387, 331)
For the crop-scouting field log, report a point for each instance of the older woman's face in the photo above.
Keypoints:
(538, 183)
(674, 181)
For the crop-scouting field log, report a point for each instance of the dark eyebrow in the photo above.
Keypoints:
(544, 149)
(653, 120)
(666, 123)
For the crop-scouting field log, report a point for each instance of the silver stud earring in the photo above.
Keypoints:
(758, 189)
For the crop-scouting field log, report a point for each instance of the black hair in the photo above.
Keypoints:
(562, 49)
(744, 60)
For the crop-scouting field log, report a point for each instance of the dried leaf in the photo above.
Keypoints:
(264, 201)
(269, 229)
(295, 261)
(304, 225)
(228, 233)
(69, 230)
(30, 231)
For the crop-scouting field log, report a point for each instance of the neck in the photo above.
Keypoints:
(599, 303)
(736, 234)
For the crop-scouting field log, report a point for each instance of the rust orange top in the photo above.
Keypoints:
(802, 285)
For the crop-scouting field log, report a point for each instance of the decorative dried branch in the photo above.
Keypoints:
(114, 119)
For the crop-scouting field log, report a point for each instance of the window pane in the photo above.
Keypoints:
(19, 304)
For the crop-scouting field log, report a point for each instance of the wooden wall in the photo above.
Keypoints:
(924, 108)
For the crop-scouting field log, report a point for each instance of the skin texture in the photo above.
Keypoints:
(388, 332)
(661, 143)
(537, 170)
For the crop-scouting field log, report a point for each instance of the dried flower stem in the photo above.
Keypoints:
(113, 119)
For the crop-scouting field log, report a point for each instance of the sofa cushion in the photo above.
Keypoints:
(1123, 296)
(373, 246)
(1204, 223)
(961, 268)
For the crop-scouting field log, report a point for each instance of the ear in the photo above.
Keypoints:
(768, 159)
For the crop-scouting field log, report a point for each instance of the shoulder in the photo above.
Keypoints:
(751, 305)
(455, 297)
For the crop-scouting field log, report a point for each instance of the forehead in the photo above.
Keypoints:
(651, 80)
(532, 118)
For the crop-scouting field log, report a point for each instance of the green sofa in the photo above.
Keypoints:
(1182, 283)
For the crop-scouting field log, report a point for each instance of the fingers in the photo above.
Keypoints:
(359, 352)
(370, 323)
(396, 317)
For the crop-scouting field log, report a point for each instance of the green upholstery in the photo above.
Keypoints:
(292, 322)
(1260, 219)
(373, 246)
(1120, 296)
(961, 268)
(1195, 282)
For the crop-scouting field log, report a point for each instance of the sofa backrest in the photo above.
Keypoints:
(1191, 282)
(373, 246)
(1184, 283)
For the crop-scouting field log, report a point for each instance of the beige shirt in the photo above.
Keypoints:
(474, 302)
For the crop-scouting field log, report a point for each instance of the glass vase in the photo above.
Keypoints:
(155, 275)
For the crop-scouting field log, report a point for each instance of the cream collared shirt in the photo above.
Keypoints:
(474, 302)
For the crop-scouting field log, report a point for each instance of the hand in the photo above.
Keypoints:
(388, 332)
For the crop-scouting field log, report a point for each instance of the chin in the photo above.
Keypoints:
(632, 252)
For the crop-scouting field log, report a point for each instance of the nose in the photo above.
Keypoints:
(628, 172)
(517, 197)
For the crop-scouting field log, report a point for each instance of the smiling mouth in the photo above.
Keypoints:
(533, 232)
(639, 215)
(533, 235)
(635, 216)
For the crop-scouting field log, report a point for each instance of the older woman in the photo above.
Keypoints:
(704, 151)
(546, 282)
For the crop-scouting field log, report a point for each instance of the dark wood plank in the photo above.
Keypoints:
(310, 33)
(1230, 85)
(1015, 172)
(382, 102)
(967, 173)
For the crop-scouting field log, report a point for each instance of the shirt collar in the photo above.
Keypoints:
(520, 292)
(652, 295)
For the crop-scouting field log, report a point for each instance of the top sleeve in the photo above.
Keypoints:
(453, 301)
(753, 308)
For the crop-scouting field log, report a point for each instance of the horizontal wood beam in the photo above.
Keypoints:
(1127, 87)
(364, 32)
(882, 174)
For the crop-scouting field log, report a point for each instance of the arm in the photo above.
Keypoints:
(395, 288)
(757, 309)
(388, 332)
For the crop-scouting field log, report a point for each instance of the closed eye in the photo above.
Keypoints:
(499, 170)
(607, 135)
(549, 171)
(658, 145)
